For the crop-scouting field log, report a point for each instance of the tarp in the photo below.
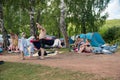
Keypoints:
(95, 39)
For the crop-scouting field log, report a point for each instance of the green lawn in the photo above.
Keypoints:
(22, 71)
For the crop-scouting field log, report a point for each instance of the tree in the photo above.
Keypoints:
(19, 15)
(63, 24)
(4, 31)
(32, 21)
(86, 14)
(51, 17)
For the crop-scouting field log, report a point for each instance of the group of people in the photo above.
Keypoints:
(25, 49)
(82, 45)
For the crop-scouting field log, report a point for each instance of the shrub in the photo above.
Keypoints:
(112, 35)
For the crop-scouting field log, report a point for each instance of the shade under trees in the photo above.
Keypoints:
(75, 16)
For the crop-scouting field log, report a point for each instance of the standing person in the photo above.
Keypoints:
(12, 47)
(42, 35)
(23, 46)
(15, 43)
(31, 46)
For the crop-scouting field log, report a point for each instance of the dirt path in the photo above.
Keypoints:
(103, 65)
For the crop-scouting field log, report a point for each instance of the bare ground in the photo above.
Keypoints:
(102, 65)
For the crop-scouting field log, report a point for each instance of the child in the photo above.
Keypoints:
(23, 46)
(31, 46)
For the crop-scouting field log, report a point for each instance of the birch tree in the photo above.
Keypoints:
(3, 30)
(63, 24)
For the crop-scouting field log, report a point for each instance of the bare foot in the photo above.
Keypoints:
(41, 57)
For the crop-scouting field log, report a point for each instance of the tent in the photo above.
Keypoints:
(95, 39)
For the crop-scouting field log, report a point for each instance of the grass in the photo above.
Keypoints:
(22, 71)
(111, 23)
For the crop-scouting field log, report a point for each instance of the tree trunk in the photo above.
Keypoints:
(32, 22)
(83, 23)
(4, 31)
(38, 16)
(63, 25)
(83, 26)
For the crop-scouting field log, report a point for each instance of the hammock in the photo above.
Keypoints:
(36, 43)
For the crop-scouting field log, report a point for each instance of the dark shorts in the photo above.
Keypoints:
(39, 43)
(42, 43)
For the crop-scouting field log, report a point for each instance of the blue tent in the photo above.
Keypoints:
(95, 39)
(71, 41)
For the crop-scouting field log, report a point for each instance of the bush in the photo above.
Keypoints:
(112, 35)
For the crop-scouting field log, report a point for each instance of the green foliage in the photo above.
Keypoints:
(86, 14)
(112, 34)
(80, 16)
(16, 16)
(111, 31)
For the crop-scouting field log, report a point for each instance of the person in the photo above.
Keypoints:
(23, 46)
(57, 43)
(85, 47)
(78, 43)
(31, 46)
(13, 43)
(11, 47)
(42, 35)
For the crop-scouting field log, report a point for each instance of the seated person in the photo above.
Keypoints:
(78, 43)
(85, 47)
